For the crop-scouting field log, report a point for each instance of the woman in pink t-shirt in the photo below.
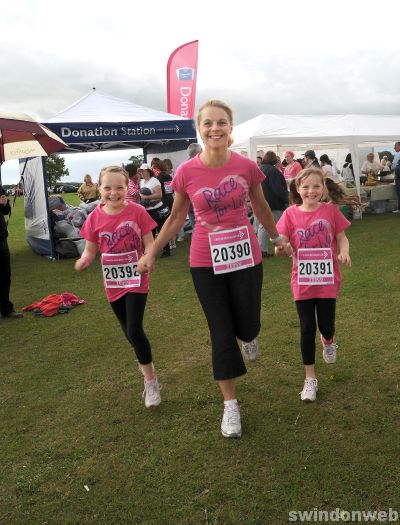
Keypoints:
(121, 230)
(225, 257)
(314, 235)
(292, 167)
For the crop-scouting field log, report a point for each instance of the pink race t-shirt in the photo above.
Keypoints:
(313, 229)
(291, 170)
(120, 233)
(219, 197)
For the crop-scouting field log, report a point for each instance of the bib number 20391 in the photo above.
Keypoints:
(315, 266)
(231, 250)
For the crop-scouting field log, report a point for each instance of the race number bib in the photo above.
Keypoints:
(315, 266)
(231, 250)
(119, 270)
(168, 188)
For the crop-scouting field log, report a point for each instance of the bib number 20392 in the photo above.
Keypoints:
(119, 270)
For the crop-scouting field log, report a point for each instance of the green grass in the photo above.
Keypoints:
(71, 411)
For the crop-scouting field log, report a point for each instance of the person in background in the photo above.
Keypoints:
(88, 191)
(310, 159)
(121, 231)
(386, 166)
(227, 278)
(156, 166)
(6, 306)
(192, 150)
(151, 195)
(276, 194)
(292, 167)
(279, 164)
(307, 229)
(168, 167)
(396, 169)
(347, 170)
(259, 161)
(328, 169)
(369, 166)
(133, 194)
(165, 180)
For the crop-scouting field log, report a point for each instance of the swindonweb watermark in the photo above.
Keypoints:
(345, 516)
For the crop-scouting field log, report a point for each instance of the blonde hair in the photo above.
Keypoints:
(333, 192)
(114, 169)
(216, 104)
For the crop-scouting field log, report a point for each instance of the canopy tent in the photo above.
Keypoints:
(310, 131)
(100, 122)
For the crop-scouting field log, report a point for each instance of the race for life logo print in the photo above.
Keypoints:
(125, 238)
(317, 235)
(230, 194)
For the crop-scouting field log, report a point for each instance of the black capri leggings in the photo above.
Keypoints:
(231, 303)
(129, 310)
(325, 310)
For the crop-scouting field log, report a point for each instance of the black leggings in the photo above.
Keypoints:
(325, 309)
(231, 303)
(129, 310)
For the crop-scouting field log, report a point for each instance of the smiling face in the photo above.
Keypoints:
(215, 127)
(113, 190)
(311, 190)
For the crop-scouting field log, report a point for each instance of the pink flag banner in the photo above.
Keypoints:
(181, 80)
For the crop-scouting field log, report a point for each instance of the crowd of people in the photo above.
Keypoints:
(295, 204)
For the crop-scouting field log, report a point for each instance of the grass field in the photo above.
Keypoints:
(78, 446)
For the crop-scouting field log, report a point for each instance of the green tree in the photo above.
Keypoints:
(55, 169)
(137, 160)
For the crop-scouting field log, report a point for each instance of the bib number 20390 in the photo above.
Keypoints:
(231, 250)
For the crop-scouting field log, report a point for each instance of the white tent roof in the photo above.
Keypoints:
(347, 131)
(97, 106)
(269, 129)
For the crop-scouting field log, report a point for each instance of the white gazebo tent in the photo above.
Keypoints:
(315, 131)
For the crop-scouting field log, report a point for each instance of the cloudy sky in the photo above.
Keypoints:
(310, 57)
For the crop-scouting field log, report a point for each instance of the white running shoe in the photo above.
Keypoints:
(231, 426)
(151, 393)
(250, 350)
(329, 351)
(309, 392)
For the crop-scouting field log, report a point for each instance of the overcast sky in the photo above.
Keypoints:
(310, 57)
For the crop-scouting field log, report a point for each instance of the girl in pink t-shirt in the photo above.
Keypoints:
(314, 235)
(225, 257)
(121, 231)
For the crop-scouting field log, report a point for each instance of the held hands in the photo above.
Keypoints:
(282, 249)
(146, 264)
(344, 258)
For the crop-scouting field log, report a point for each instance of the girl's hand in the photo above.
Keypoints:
(283, 249)
(82, 263)
(344, 258)
(146, 263)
